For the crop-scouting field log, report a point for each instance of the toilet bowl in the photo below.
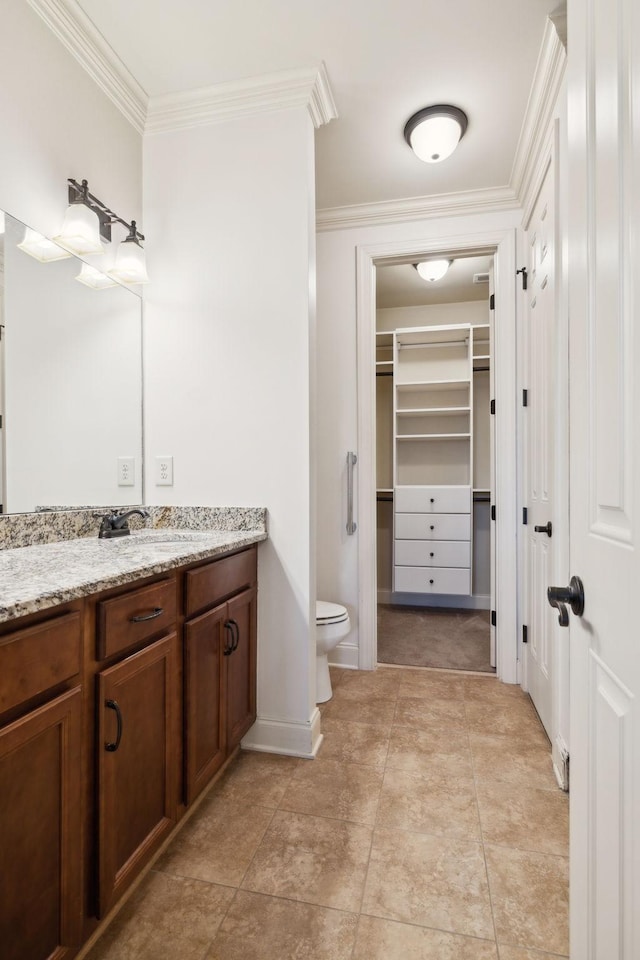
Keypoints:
(332, 626)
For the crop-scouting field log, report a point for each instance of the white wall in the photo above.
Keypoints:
(228, 338)
(471, 311)
(56, 123)
(337, 553)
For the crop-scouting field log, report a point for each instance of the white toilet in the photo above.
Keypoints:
(332, 626)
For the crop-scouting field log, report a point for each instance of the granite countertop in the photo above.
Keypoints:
(37, 577)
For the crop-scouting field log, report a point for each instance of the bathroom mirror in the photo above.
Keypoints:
(71, 384)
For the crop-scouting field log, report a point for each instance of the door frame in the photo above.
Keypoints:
(502, 244)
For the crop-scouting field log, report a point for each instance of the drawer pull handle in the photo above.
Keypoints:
(148, 616)
(233, 630)
(228, 644)
(113, 705)
(236, 633)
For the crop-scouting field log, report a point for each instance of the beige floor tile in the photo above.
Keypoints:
(445, 806)
(166, 918)
(431, 685)
(367, 684)
(413, 711)
(430, 881)
(328, 788)
(218, 842)
(434, 749)
(493, 690)
(518, 953)
(337, 675)
(512, 759)
(509, 717)
(379, 712)
(390, 940)
(530, 898)
(260, 778)
(312, 859)
(267, 928)
(525, 818)
(354, 742)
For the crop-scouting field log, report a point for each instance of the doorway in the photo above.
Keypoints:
(501, 245)
(434, 463)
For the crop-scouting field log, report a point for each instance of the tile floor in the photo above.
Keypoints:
(430, 827)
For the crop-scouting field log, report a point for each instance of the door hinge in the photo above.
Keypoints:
(525, 633)
(493, 407)
(493, 618)
(0, 421)
(525, 398)
(493, 511)
(523, 271)
(492, 302)
(525, 516)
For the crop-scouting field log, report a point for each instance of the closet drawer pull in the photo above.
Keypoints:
(432, 527)
(432, 554)
(430, 581)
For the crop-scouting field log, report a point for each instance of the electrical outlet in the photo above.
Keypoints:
(126, 471)
(164, 471)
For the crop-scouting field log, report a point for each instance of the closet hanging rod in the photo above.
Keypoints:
(384, 373)
(435, 343)
(481, 369)
(482, 498)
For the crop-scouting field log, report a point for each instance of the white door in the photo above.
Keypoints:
(604, 303)
(540, 434)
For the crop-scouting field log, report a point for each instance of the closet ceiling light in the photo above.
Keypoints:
(40, 248)
(93, 278)
(433, 269)
(434, 132)
(130, 265)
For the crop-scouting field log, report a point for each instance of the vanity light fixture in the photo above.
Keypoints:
(432, 270)
(80, 232)
(130, 265)
(434, 132)
(95, 279)
(40, 248)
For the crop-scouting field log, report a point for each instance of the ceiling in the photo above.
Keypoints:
(384, 59)
(400, 285)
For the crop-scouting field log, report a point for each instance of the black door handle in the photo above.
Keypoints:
(228, 644)
(113, 705)
(548, 529)
(573, 595)
(236, 635)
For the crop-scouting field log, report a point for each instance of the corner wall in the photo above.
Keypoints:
(229, 326)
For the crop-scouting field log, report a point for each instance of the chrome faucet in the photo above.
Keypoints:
(115, 524)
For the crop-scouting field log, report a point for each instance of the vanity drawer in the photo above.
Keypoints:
(208, 585)
(38, 658)
(435, 526)
(134, 617)
(433, 553)
(432, 580)
(433, 499)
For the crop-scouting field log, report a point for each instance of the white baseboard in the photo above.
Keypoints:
(465, 602)
(285, 737)
(345, 655)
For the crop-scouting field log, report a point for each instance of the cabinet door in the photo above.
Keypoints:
(241, 667)
(40, 830)
(204, 643)
(136, 765)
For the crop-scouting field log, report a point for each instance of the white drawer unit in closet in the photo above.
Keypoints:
(433, 580)
(433, 526)
(445, 499)
(433, 553)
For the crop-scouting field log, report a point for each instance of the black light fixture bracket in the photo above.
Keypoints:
(79, 193)
(436, 110)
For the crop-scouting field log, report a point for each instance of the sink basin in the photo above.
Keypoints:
(169, 538)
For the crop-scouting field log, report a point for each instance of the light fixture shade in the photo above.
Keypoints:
(130, 265)
(93, 278)
(80, 232)
(432, 270)
(40, 248)
(434, 133)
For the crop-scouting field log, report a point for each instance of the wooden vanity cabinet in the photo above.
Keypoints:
(41, 774)
(220, 663)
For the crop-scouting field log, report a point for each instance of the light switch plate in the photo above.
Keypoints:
(164, 471)
(126, 471)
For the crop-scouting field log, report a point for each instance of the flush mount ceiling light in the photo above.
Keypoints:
(434, 132)
(432, 270)
(40, 248)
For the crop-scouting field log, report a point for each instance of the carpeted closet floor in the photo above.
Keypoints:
(445, 638)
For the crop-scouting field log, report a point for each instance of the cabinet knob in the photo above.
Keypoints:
(432, 500)
(431, 554)
(430, 581)
(432, 527)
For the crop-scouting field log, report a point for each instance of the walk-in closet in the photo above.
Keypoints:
(434, 465)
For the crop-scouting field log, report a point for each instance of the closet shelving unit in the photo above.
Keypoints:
(384, 403)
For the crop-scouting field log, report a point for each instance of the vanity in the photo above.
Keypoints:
(127, 680)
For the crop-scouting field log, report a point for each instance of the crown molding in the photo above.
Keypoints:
(547, 80)
(417, 208)
(308, 88)
(75, 30)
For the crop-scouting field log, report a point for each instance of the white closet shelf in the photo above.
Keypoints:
(433, 436)
(432, 411)
(481, 356)
(428, 385)
(432, 336)
(384, 364)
